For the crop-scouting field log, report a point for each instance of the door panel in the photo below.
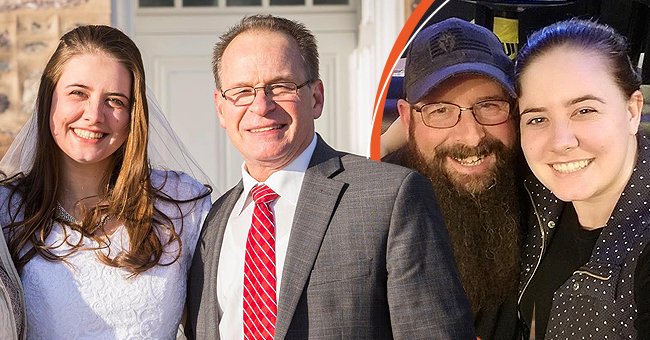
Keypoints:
(176, 46)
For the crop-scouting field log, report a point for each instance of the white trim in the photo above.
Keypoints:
(381, 22)
(123, 15)
(265, 7)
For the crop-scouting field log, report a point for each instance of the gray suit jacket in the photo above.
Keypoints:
(368, 257)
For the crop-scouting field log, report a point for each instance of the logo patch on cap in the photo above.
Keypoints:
(447, 41)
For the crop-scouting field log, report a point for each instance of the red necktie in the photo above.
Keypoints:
(260, 307)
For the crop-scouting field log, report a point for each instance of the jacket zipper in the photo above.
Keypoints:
(539, 258)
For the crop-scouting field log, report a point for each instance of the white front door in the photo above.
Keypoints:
(176, 42)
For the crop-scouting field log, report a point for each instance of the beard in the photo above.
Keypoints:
(482, 216)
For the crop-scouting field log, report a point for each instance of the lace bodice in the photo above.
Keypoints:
(83, 298)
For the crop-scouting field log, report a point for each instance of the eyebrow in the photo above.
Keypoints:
(494, 97)
(119, 94)
(281, 79)
(532, 110)
(584, 98)
(277, 79)
(567, 103)
(478, 100)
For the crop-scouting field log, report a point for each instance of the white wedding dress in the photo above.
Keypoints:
(83, 298)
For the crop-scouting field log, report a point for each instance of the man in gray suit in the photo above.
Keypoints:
(357, 249)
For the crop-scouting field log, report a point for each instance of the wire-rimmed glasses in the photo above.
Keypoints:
(446, 115)
(244, 95)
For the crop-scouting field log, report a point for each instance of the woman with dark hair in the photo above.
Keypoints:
(586, 265)
(101, 234)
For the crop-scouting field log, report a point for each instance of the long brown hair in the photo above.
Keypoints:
(127, 196)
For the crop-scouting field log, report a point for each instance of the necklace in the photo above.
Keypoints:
(65, 217)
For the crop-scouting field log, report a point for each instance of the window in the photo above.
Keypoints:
(237, 3)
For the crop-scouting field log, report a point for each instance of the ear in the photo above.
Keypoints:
(219, 102)
(404, 109)
(318, 98)
(634, 109)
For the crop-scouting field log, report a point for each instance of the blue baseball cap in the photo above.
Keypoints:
(451, 47)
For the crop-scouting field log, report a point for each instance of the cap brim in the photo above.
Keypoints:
(424, 85)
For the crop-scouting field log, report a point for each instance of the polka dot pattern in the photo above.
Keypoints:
(597, 301)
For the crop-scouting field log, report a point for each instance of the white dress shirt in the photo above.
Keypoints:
(230, 276)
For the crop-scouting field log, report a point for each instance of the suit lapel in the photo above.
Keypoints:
(316, 204)
(213, 241)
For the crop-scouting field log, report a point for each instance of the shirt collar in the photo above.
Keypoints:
(286, 182)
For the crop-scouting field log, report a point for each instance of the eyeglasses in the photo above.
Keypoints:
(446, 115)
(244, 95)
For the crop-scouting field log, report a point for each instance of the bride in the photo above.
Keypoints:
(100, 228)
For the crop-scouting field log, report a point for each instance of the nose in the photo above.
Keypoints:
(563, 137)
(94, 110)
(262, 103)
(468, 131)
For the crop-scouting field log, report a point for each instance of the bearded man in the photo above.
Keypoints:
(462, 135)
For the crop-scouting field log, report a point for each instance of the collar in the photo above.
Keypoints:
(286, 182)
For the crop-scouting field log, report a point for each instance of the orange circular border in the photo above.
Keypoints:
(395, 53)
